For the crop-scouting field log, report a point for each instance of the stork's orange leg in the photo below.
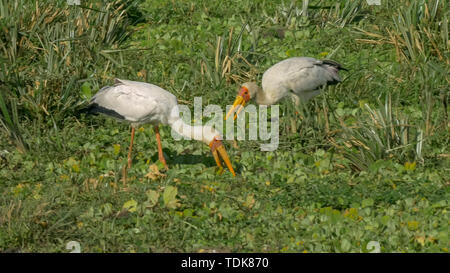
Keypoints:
(131, 147)
(160, 152)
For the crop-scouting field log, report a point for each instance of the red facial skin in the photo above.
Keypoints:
(244, 93)
(217, 150)
(214, 144)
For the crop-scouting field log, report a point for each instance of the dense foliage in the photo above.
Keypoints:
(368, 160)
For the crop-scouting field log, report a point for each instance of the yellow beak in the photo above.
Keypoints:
(218, 149)
(238, 103)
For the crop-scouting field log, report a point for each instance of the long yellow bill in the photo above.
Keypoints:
(218, 149)
(238, 103)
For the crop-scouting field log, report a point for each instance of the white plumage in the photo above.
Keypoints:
(139, 103)
(299, 77)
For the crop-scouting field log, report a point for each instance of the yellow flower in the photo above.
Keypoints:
(141, 73)
(413, 225)
(116, 149)
(410, 166)
(18, 189)
(76, 168)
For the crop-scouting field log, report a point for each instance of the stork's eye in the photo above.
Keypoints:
(244, 92)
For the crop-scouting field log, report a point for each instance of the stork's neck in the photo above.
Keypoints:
(261, 97)
(189, 131)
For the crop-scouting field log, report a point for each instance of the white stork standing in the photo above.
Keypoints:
(139, 103)
(299, 77)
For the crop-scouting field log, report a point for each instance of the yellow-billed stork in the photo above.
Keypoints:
(140, 102)
(299, 77)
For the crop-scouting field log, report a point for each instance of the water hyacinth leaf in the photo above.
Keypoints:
(152, 198)
(367, 202)
(170, 197)
(116, 149)
(130, 205)
(345, 245)
(86, 91)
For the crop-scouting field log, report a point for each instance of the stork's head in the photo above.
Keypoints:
(213, 138)
(246, 92)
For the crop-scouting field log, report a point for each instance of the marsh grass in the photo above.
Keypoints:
(66, 44)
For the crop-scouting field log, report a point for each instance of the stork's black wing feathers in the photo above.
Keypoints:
(95, 109)
(334, 64)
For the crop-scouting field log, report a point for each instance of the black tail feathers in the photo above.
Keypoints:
(87, 110)
(335, 64)
(95, 109)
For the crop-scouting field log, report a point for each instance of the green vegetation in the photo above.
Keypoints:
(368, 160)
